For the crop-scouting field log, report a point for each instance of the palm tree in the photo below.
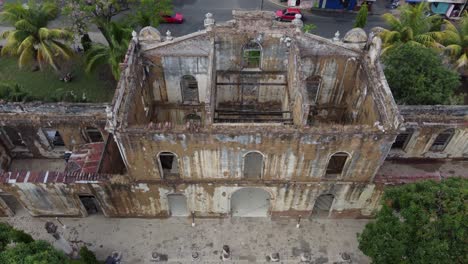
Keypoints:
(412, 26)
(455, 41)
(113, 54)
(31, 40)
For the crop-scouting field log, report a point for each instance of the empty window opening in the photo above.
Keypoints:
(336, 163)
(90, 204)
(251, 55)
(14, 206)
(250, 202)
(14, 136)
(54, 137)
(169, 164)
(442, 140)
(402, 139)
(193, 119)
(177, 205)
(322, 206)
(94, 135)
(312, 86)
(253, 165)
(189, 89)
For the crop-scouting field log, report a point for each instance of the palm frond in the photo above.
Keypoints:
(462, 62)
(27, 56)
(454, 50)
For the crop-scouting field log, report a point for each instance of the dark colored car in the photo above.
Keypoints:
(287, 14)
(177, 18)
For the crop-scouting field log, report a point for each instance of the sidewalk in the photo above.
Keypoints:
(250, 239)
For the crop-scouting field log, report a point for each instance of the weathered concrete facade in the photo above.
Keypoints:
(252, 117)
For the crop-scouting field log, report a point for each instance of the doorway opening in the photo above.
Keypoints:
(15, 207)
(91, 205)
(322, 206)
(250, 202)
(177, 205)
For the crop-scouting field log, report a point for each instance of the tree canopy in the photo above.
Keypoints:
(417, 75)
(413, 26)
(424, 222)
(31, 40)
(361, 18)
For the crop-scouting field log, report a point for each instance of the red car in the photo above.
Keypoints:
(177, 18)
(287, 14)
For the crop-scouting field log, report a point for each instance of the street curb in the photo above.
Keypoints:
(314, 10)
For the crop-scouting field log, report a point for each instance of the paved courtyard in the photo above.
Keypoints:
(250, 239)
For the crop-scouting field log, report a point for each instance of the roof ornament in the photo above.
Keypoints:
(336, 38)
(169, 36)
(209, 21)
(297, 21)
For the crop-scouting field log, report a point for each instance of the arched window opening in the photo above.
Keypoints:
(54, 137)
(336, 164)
(253, 165)
(402, 139)
(322, 206)
(251, 55)
(14, 137)
(442, 140)
(94, 135)
(169, 164)
(313, 86)
(189, 87)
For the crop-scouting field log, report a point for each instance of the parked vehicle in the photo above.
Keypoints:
(177, 18)
(287, 14)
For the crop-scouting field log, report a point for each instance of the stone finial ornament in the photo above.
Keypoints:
(297, 21)
(336, 38)
(169, 36)
(209, 21)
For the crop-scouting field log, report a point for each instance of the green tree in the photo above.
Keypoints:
(36, 252)
(416, 75)
(9, 234)
(424, 222)
(361, 18)
(113, 54)
(87, 256)
(97, 12)
(455, 41)
(31, 40)
(148, 12)
(413, 25)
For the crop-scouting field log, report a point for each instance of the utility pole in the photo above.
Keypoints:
(261, 7)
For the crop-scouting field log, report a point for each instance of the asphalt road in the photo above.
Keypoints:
(194, 13)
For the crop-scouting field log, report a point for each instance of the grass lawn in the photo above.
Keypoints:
(46, 86)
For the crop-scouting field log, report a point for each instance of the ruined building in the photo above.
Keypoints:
(251, 117)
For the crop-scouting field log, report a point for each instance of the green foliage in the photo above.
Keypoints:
(9, 234)
(37, 252)
(423, 79)
(148, 12)
(87, 256)
(413, 25)
(31, 41)
(112, 55)
(361, 18)
(45, 85)
(455, 40)
(13, 93)
(309, 27)
(424, 222)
